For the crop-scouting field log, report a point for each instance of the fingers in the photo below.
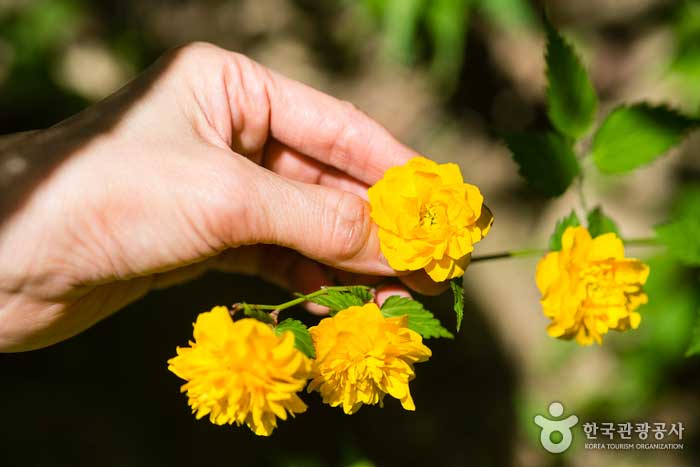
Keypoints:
(244, 103)
(292, 164)
(351, 278)
(277, 265)
(423, 284)
(325, 224)
(331, 131)
(288, 269)
(280, 266)
(390, 290)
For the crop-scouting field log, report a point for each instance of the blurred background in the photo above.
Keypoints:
(446, 77)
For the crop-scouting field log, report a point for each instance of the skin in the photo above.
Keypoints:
(208, 160)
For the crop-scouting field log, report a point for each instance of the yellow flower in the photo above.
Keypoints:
(241, 372)
(428, 218)
(589, 287)
(361, 356)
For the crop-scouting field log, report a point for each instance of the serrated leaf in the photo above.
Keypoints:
(571, 100)
(694, 345)
(599, 223)
(547, 160)
(255, 313)
(362, 292)
(632, 136)
(337, 300)
(419, 319)
(571, 220)
(302, 338)
(458, 297)
(682, 238)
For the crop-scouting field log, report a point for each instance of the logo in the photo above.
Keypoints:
(549, 427)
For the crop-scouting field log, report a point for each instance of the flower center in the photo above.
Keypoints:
(429, 215)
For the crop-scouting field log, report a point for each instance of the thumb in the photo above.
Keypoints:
(326, 224)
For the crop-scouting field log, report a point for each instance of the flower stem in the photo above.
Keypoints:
(539, 251)
(509, 254)
(581, 193)
(650, 241)
(301, 298)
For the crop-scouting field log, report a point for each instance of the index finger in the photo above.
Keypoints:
(332, 131)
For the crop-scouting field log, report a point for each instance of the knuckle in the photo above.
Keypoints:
(345, 135)
(192, 54)
(349, 107)
(350, 226)
(196, 48)
(248, 101)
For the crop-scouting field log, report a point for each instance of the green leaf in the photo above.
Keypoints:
(682, 238)
(458, 296)
(571, 99)
(419, 319)
(401, 21)
(571, 220)
(599, 223)
(302, 338)
(694, 346)
(338, 300)
(668, 317)
(546, 160)
(260, 315)
(362, 292)
(632, 136)
(687, 204)
(681, 234)
(687, 40)
(508, 14)
(376, 8)
(446, 22)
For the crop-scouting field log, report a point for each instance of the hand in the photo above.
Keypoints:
(207, 160)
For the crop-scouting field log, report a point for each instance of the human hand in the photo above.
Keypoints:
(207, 160)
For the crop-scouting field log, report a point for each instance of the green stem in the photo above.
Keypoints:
(651, 241)
(540, 251)
(509, 254)
(301, 298)
(581, 193)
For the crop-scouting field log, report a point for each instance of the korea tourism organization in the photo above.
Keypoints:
(557, 433)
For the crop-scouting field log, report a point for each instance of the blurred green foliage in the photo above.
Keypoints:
(686, 59)
(684, 264)
(36, 33)
(682, 234)
(34, 38)
(39, 29)
(437, 30)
